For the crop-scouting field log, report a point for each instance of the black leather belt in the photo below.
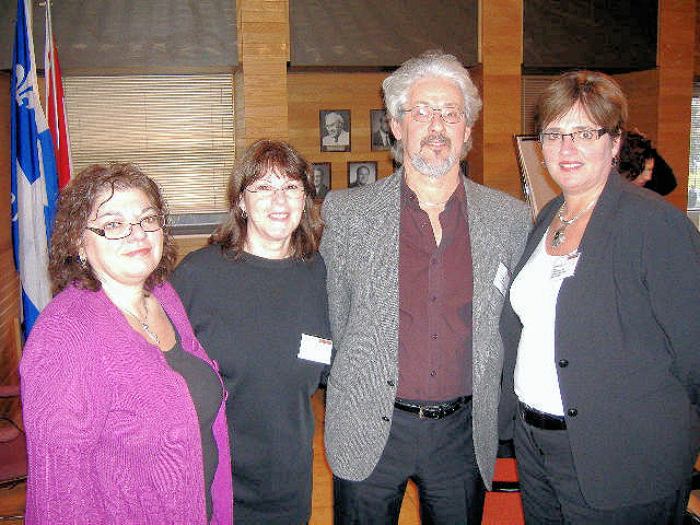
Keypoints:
(432, 411)
(542, 420)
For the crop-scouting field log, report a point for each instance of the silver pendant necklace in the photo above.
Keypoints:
(143, 323)
(559, 236)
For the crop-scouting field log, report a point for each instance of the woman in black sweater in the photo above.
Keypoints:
(256, 297)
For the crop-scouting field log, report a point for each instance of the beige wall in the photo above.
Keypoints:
(359, 93)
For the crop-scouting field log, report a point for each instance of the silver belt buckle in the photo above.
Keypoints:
(437, 412)
(420, 413)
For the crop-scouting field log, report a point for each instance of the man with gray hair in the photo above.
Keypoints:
(418, 266)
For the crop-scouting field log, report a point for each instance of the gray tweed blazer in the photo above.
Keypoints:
(361, 248)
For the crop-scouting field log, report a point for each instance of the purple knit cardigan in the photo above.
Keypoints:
(112, 432)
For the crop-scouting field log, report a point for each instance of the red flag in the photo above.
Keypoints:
(55, 110)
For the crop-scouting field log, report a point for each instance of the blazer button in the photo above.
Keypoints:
(572, 412)
(563, 363)
(390, 382)
(384, 418)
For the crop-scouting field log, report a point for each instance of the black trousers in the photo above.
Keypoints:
(551, 494)
(438, 455)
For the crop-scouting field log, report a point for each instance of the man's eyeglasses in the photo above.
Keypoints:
(114, 230)
(291, 190)
(580, 135)
(425, 113)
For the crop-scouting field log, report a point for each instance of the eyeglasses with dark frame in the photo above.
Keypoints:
(115, 230)
(290, 190)
(580, 135)
(425, 113)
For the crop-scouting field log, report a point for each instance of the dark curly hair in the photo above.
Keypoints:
(635, 151)
(259, 159)
(74, 205)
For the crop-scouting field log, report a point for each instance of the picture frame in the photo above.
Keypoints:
(361, 173)
(381, 137)
(321, 178)
(538, 186)
(334, 129)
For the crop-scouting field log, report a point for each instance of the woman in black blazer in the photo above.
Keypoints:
(601, 329)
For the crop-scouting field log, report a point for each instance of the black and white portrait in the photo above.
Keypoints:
(334, 129)
(361, 173)
(382, 138)
(322, 178)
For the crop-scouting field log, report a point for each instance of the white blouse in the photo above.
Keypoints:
(533, 296)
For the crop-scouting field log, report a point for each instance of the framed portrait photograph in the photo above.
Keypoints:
(322, 178)
(334, 129)
(361, 173)
(382, 137)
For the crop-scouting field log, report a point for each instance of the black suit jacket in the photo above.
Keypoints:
(626, 346)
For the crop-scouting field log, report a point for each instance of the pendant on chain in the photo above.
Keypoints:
(559, 236)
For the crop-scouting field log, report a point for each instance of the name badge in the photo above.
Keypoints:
(564, 267)
(316, 349)
(502, 279)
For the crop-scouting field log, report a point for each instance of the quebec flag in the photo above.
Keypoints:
(34, 176)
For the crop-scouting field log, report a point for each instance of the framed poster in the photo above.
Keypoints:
(322, 178)
(361, 173)
(382, 137)
(538, 186)
(334, 129)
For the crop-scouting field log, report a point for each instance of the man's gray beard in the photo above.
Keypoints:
(422, 166)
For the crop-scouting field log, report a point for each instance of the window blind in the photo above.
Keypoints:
(533, 87)
(177, 128)
(694, 175)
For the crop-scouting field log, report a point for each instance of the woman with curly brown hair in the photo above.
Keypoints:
(124, 411)
(257, 300)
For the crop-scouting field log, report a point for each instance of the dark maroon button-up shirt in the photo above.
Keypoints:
(435, 301)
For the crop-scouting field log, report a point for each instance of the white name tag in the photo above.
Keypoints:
(313, 348)
(564, 267)
(502, 279)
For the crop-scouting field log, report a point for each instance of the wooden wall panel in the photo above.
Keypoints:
(642, 90)
(697, 41)
(263, 37)
(675, 62)
(501, 88)
(310, 93)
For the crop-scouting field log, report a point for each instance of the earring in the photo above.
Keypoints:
(82, 261)
(244, 215)
(616, 161)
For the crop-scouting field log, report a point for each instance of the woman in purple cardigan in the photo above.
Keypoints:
(124, 411)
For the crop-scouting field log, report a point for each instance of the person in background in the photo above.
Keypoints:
(256, 296)
(124, 411)
(641, 163)
(600, 327)
(417, 269)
